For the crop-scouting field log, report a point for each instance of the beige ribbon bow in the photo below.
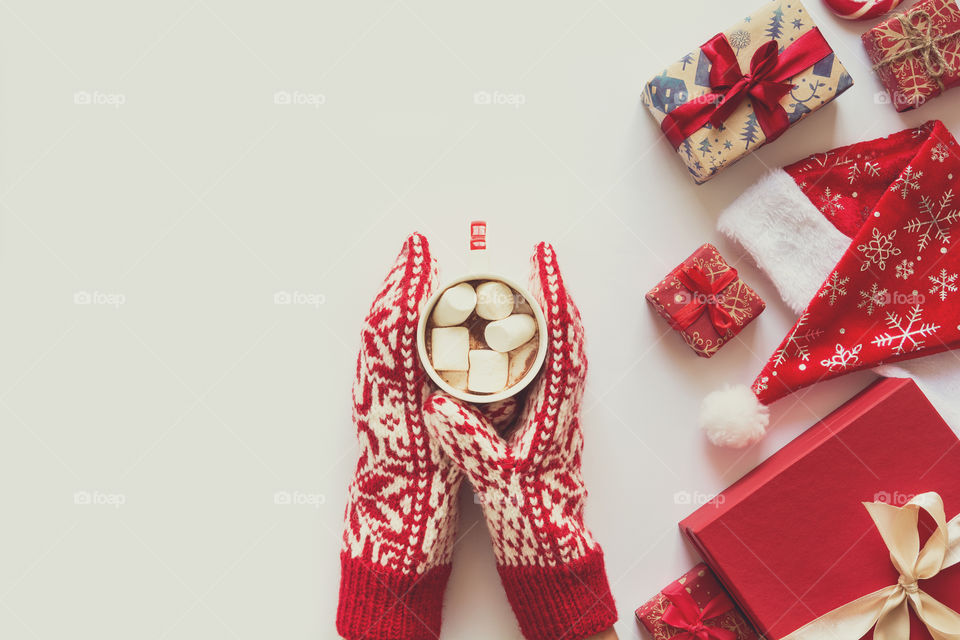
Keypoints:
(887, 610)
(924, 41)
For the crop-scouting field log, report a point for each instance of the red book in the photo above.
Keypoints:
(791, 540)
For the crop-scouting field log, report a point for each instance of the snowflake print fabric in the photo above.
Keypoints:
(834, 288)
(840, 186)
(908, 181)
(936, 220)
(873, 298)
(907, 332)
(878, 249)
(940, 153)
(905, 269)
(893, 295)
(867, 169)
(943, 284)
(843, 358)
(830, 201)
(796, 346)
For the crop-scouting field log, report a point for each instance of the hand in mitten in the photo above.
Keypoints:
(531, 485)
(401, 513)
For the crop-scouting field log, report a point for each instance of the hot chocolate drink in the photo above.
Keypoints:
(481, 337)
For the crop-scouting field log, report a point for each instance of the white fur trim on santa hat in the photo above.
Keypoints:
(786, 234)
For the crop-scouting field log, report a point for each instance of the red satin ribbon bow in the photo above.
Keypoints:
(683, 613)
(765, 85)
(705, 297)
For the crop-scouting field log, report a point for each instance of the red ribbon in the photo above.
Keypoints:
(765, 85)
(705, 297)
(683, 613)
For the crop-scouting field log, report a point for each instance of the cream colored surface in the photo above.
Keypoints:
(199, 201)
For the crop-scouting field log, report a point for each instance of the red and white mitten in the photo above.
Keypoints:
(531, 485)
(401, 513)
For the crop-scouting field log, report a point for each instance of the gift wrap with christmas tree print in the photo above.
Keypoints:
(711, 148)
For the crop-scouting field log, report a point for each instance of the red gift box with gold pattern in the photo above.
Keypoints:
(855, 524)
(695, 604)
(705, 300)
(916, 54)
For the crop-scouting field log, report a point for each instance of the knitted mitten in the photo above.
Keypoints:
(401, 513)
(531, 486)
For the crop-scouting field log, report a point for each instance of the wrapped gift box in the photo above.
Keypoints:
(777, 44)
(705, 300)
(696, 598)
(916, 54)
(791, 541)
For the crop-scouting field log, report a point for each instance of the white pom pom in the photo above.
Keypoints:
(733, 417)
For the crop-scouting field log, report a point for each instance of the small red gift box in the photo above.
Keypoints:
(916, 54)
(695, 602)
(792, 541)
(705, 300)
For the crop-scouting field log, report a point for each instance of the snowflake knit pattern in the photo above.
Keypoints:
(530, 485)
(401, 512)
(893, 295)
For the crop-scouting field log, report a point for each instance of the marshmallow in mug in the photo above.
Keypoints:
(488, 371)
(510, 333)
(479, 342)
(494, 300)
(450, 346)
(455, 305)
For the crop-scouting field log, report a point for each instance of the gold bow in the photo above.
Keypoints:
(887, 610)
(924, 41)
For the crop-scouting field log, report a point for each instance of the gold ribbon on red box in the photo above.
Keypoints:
(887, 610)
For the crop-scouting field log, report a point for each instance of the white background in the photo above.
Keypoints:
(177, 197)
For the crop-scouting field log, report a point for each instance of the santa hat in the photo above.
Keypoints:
(860, 242)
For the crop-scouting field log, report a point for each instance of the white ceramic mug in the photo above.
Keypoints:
(482, 397)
